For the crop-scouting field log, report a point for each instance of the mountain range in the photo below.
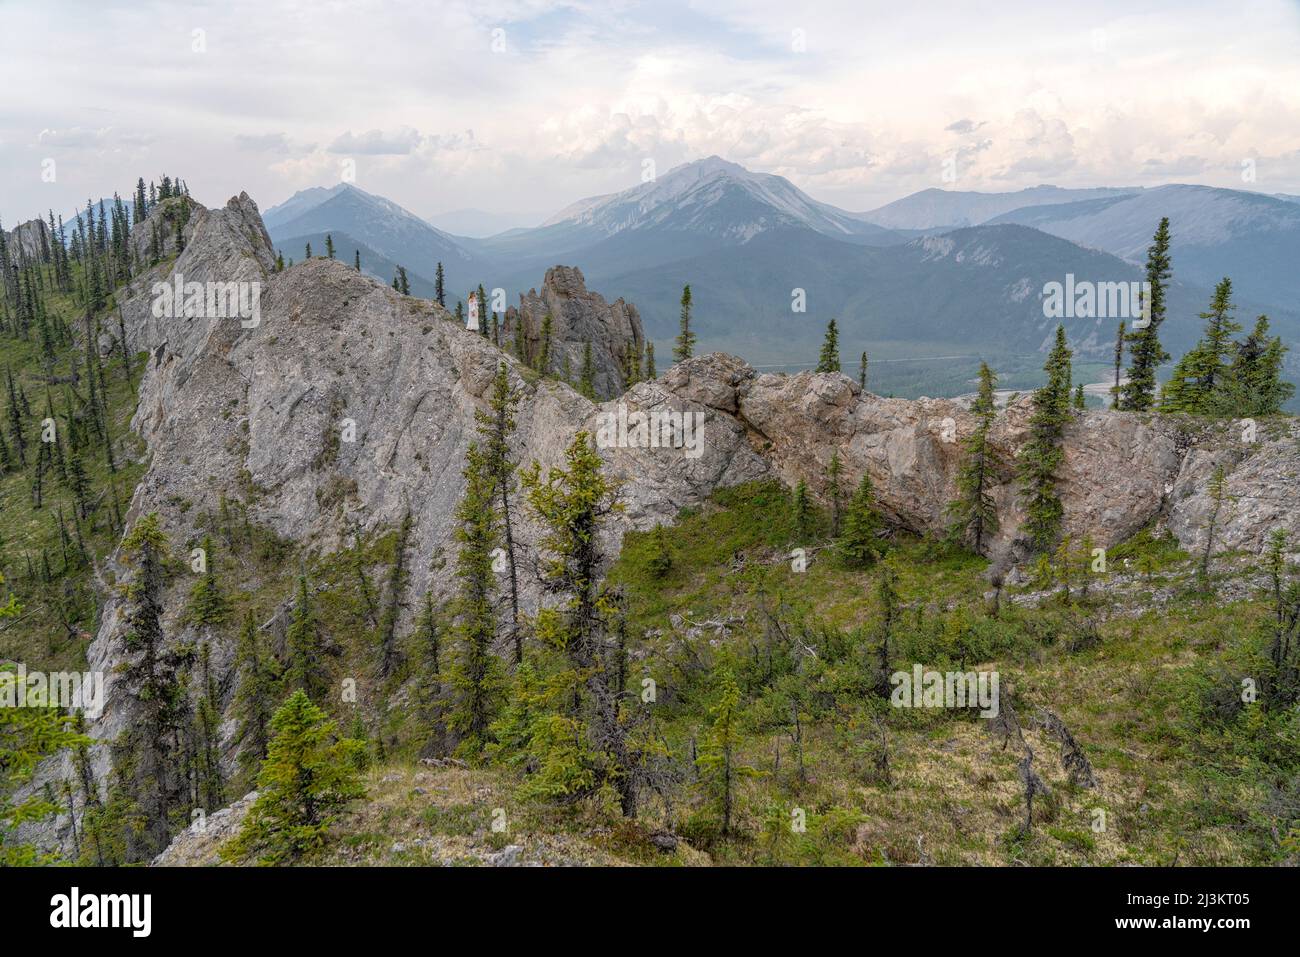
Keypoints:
(928, 285)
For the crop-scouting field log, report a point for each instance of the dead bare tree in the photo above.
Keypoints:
(1005, 723)
(1033, 786)
(1073, 760)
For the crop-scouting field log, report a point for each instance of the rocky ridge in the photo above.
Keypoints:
(226, 406)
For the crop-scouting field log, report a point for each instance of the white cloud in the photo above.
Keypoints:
(1020, 93)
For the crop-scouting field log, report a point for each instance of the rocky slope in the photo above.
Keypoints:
(262, 413)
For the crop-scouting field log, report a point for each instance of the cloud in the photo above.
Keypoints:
(377, 142)
(263, 142)
(586, 91)
(73, 138)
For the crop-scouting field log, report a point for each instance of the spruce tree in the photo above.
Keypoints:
(309, 775)
(393, 592)
(208, 604)
(476, 673)
(1219, 497)
(1145, 350)
(577, 735)
(439, 287)
(862, 372)
(544, 350)
(685, 347)
(650, 372)
(1119, 365)
(306, 670)
(1199, 376)
(587, 376)
(829, 361)
(719, 768)
(79, 485)
(1253, 384)
(973, 515)
(255, 694)
(145, 765)
(860, 544)
(427, 656)
(804, 516)
(494, 430)
(1041, 455)
(835, 491)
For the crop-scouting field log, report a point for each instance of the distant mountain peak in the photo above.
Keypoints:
(711, 195)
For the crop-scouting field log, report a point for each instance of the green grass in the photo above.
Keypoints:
(1150, 702)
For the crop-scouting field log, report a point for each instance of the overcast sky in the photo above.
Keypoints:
(526, 105)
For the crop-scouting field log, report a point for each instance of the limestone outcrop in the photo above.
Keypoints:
(578, 317)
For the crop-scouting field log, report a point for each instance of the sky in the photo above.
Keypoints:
(523, 106)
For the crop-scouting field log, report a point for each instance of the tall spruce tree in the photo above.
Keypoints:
(973, 515)
(1119, 365)
(495, 429)
(1253, 384)
(1145, 350)
(306, 666)
(208, 605)
(1041, 455)
(476, 674)
(146, 769)
(587, 374)
(685, 346)
(829, 360)
(255, 694)
(577, 735)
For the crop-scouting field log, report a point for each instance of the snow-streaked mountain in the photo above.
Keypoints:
(1251, 237)
(716, 197)
(951, 209)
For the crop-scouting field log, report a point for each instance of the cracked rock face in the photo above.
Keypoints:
(1262, 489)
